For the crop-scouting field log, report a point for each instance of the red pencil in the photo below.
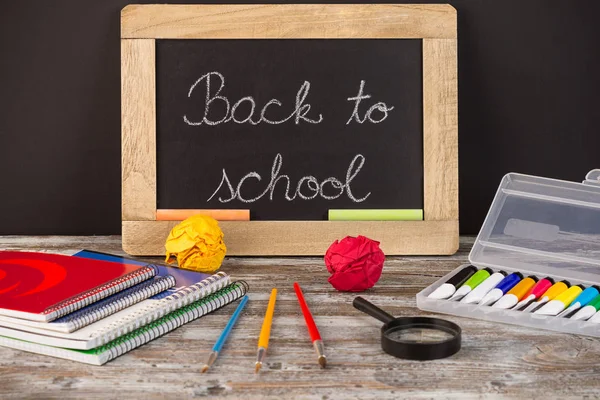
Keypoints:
(312, 327)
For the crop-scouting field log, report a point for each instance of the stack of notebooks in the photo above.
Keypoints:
(93, 307)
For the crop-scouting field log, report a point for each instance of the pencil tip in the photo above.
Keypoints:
(322, 361)
(204, 369)
(257, 368)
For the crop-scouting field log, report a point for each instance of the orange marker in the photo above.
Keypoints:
(219, 215)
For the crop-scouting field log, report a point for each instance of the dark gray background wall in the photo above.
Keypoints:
(529, 98)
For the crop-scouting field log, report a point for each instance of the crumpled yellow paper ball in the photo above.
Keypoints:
(197, 243)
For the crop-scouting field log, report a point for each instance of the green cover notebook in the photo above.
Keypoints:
(140, 336)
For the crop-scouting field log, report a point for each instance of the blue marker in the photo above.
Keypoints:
(495, 294)
(580, 301)
(221, 340)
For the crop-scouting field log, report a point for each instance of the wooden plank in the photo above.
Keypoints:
(440, 129)
(270, 21)
(254, 238)
(501, 361)
(138, 129)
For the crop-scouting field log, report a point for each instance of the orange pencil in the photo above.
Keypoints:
(265, 331)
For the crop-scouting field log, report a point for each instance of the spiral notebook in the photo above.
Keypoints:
(103, 308)
(122, 322)
(167, 281)
(44, 286)
(140, 336)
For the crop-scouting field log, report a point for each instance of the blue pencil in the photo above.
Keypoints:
(223, 338)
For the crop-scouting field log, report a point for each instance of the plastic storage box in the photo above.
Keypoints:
(536, 226)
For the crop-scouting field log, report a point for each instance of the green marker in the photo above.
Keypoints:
(588, 311)
(471, 284)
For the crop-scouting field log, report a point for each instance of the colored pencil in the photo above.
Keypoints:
(224, 335)
(265, 332)
(315, 336)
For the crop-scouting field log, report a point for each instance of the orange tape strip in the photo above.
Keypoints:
(219, 215)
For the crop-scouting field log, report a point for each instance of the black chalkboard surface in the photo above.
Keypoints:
(343, 118)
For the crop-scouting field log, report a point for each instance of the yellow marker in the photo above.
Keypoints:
(515, 294)
(548, 295)
(265, 332)
(555, 290)
(569, 295)
(560, 302)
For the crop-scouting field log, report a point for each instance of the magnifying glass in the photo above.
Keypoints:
(414, 338)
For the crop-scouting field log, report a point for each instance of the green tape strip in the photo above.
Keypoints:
(376, 215)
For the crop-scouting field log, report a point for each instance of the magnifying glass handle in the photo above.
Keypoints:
(369, 308)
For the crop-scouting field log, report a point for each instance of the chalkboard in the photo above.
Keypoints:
(355, 106)
(350, 111)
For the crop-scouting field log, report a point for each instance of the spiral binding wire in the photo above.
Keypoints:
(171, 321)
(117, 302)
(91, 296)
(200, 289)
(159, 308)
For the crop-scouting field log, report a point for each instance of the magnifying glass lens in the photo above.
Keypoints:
(418, 335)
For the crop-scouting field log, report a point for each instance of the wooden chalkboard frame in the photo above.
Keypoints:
(142, 25)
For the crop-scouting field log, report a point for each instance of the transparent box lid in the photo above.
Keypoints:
(543, 226)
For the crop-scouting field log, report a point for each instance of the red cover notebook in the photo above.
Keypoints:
(43, 287)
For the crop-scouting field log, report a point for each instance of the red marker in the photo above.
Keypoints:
(312, 327)
(535, 293)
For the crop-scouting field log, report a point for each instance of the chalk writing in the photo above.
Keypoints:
(216, 101)
(299, 114)
(307, 188)
(381, 107)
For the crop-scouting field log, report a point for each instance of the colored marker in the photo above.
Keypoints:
(595, 318)
(483, 288)
(588, 311)
(535, 293)
(560, 302)
(515, 294)
(471, 283)
(496, 293)
(582, 300)
(447, 289)
(550, 294)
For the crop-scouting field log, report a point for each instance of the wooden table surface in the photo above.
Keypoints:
(496, 360)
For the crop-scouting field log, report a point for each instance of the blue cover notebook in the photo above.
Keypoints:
(183, 278)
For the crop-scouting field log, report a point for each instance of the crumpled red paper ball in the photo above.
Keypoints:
(355, 263)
